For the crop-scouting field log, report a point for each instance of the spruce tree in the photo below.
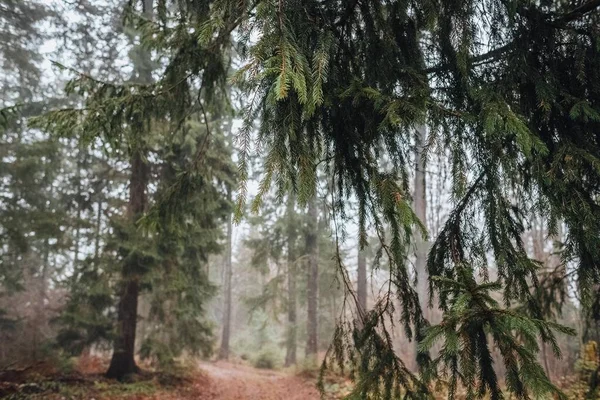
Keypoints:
(187, 230)
(34, 173)
(122, 362)
(138, 242)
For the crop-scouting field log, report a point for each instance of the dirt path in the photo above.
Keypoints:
(237, 382)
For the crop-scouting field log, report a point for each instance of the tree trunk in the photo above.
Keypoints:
(420, 204)
(98, 230)
(80, 166)
(361, 284)
(40, 319)
(224, 350)
(313, 278)
(123, 362)
(290, 355)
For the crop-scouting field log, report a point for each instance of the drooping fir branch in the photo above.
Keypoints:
(496, 53)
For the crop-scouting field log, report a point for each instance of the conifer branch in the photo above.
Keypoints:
(496, 53)
(487, 57)
(579, 11)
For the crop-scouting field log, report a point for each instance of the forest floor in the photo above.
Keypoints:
(234, 381)
(191, 381)
(204, 381)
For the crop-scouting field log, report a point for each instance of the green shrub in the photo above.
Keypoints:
(265, 360)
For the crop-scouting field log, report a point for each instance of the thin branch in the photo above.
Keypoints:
(485, 57)
(579, 11)
(494, 54)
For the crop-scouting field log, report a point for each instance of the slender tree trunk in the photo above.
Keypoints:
(313, 279)
(538, 235)
(98, 231)
(361, 286)
(41, 320)
(224, 350)
(361, 281)
(80, 165)
(420, 204)
(290, 355)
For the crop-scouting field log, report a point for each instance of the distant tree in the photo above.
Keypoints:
(227, 290)
(292, 278)
(34, 211)
(312, 292)
(187, 232)
(361, 279)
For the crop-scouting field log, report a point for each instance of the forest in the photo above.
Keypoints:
(299, 199)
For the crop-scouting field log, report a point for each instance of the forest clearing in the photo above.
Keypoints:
(300, 199)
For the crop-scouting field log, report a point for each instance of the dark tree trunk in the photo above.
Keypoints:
(313, 279)
(290, 355)
(123, 361)
(224, 350)
(80, 166)
(420, 204)
(361, 281)
(87, 350)
(98, 230)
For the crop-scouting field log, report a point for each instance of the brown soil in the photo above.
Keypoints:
(228, 381)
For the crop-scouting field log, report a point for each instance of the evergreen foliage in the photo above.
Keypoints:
(509, 88)
(497, 94)
(34, 196)
(279, 259)
(186, 237)
(165, 250)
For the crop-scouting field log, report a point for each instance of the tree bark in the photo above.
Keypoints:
(224, 350)
(313, 279)
(290, 355)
